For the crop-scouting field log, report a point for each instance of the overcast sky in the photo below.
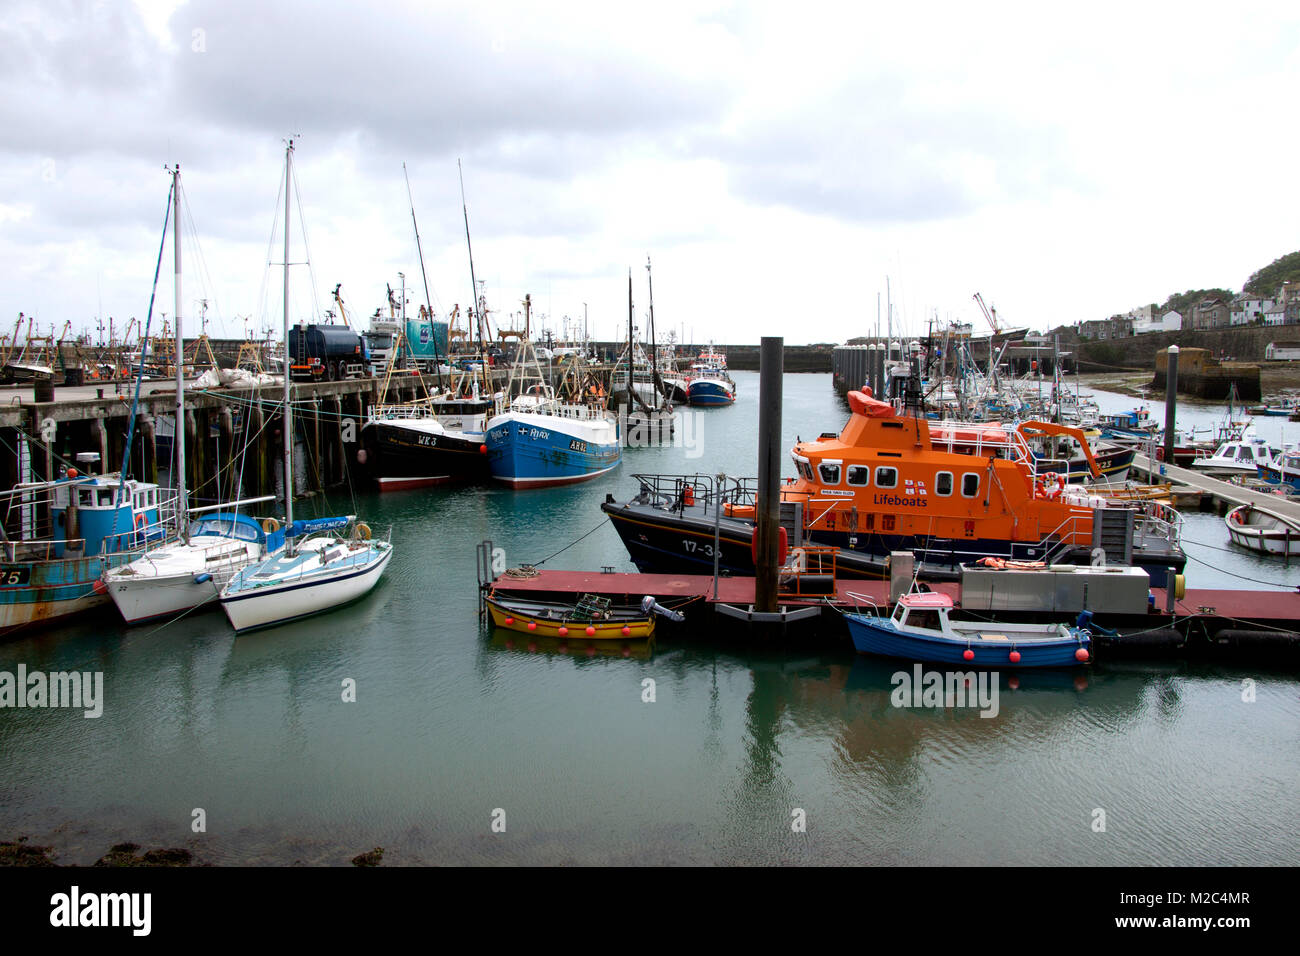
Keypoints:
(776, 161)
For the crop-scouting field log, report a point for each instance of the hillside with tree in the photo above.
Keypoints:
(1269, 279)
(1182, 302)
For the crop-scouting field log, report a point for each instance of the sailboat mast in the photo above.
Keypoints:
(437, 359)
(288, 407)
(654, 345)
(631, 345)
(182, 499)
(473, 282)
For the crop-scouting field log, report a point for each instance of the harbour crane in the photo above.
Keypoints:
(338, 297)
(990, 315)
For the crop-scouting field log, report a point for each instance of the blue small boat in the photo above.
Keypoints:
(1282, 470)
(920, 629)
(1136, 424)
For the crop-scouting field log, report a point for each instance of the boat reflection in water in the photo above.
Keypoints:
(505, 640)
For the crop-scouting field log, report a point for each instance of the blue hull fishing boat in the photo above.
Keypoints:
(709, 383)
(920, 630)
(70, 531)
(540, 442)
(1284, 470)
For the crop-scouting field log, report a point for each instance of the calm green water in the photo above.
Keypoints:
(452, 723)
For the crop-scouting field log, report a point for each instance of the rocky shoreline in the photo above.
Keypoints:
(1275, 382)
(20, 853)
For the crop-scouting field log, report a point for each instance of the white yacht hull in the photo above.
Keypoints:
(301, 595)
(145, 599)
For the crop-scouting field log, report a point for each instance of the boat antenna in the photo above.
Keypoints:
(437, 359)
(473, 282)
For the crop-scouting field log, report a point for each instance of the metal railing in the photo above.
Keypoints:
(698, 489)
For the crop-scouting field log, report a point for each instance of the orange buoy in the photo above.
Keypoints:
(591, 631)
(482, 449)
(1081, 654)
(563, 631)
(1015, 657)
(626, 630)
(532, 625)
(968, 655)
(509, 621)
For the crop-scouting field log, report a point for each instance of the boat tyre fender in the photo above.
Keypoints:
(361, 531)
(141, 522)
(270, 525)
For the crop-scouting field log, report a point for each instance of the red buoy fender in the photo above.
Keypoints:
(782, 546)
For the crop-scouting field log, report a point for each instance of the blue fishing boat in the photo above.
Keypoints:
(60, 537)
(540, 441)
(1135, 424)
(709, 383)
(921, 629)
(1283, 470)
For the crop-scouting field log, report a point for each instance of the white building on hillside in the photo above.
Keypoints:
(1250, 310)
(1171, 321)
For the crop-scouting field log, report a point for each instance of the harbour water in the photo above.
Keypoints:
(454, 727)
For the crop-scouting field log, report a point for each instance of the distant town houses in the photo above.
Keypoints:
(1249, 310)
(1131, 323)
(1289, 297)
(1211, 312)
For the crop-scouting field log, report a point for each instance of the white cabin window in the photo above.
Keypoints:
(970, 484)
(859, 475)
(830, 473)
(943, 483)
(886, 477)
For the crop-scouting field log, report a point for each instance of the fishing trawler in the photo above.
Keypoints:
(891, 480)
(539, 440)
(60, 536)
(437, 440)
(708, 382)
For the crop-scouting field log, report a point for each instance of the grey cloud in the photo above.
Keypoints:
(865, 155)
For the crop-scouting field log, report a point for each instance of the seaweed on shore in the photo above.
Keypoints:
(369, 859)
(21, 853)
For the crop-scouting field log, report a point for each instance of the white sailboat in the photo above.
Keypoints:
(328, 567)
(187, 572)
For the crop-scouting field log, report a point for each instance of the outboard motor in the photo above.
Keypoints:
(648, 604)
